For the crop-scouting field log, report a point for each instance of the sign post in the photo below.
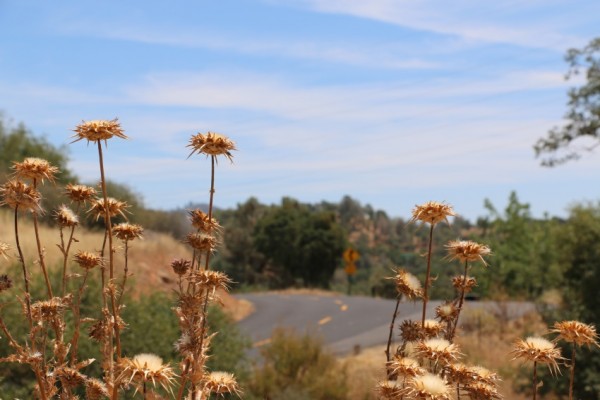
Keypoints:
(350, 258)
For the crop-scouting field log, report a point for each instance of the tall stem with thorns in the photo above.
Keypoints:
(389, 342)
(40, 249)
(461, 301)
(427, 278)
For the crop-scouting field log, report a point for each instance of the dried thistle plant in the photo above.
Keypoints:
(578, 334)
(538, 350)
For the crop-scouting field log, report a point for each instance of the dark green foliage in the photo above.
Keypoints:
(584, 107)
(151, 328)
(296, 367)
(302, 244)
(524, 258)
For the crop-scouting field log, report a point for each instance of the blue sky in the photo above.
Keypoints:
(391, 102)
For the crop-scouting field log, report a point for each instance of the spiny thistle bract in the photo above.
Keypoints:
(576, 332)
(80, 193)
(212, 144)
(432, 212)
(539, 350)
(36, 169)
(467, 250)
(97, 130)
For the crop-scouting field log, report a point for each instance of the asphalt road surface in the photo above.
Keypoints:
(343, 322)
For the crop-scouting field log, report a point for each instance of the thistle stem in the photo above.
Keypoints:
(572, 374)
(210, 204)
(125, 272)
(389, 342)
(40, 249)
(535, 380)
(24, 267)
(77, 314)
(65, 252)
(461, 301)
(427, 279)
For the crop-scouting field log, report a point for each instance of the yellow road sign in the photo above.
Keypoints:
(351, 255)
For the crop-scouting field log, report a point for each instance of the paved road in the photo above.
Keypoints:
(342, 321)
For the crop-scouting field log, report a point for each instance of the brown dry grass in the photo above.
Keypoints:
(149, 258)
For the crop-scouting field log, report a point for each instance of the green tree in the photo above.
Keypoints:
(524, 259)
(583, 114)
(302, 244)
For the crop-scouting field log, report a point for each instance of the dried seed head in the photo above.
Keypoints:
(539, 350)
(127, 232)
(146, 368)
(114, 207)
(430, 387)
(212, 144)
(49, 310)
(5, 283)
(201, 241)
(482, 391)
(221, 383)
(201, 221)
(66, 217)
(432, 328)
(181, 266)
(80, 193)
(95, 389)
(87, 260)
(482, 374)
(4, 249)
(36, 169)
(94, 131)
(458, 373)
(438, 350)
(407, 284)
(409, 349)
(390, 389)
(19, 194)
(210, 280)
(70, 377)
(411, 331)
(432, 212)
(576, 332)
(446, 312)
(406, 367)
(460, 283)
(467, 250)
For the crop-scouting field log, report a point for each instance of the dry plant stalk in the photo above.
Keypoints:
(51, 355)
(426, 363)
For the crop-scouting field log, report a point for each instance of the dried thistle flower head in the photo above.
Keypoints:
(96, 130)
(221, 383)
(66, 217)
(70, 377)
(482, 374)
(114, 207)
(458, 373)
(406, 367)
(49, 310)
(430, 387)
(181, 266)
(467, 250)
(87, 260)
(127, 232)
(409, 349)
(212, 144)
(79, 193)
(539, 350)
(4, 249)
(407, 284)
(19, 194)
(201, 221)
(432, 328)
(95, 389)
(390, 389)
(36, 169)
(210, 280)
(411, 331)
(201, 241)
(432, 212)
(576, 332)
(438, 350)
(5, 283)
(146, 368)
(446, 312)
(460, 283)
(482, 391)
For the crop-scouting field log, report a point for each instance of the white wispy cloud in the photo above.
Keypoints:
(478, 22)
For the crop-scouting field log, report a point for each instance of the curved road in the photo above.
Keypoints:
(342, 321)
